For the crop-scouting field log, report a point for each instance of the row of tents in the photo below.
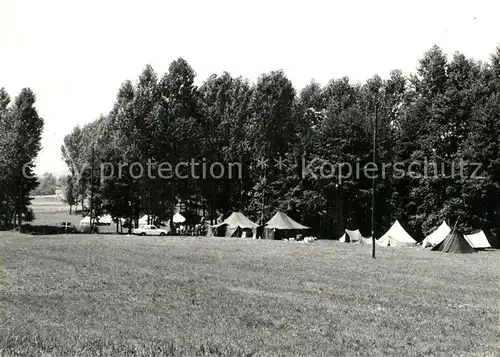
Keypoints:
(282, 226)
(442, 239)
(238, 225)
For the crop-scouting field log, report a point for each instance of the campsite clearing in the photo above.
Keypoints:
(86, 295)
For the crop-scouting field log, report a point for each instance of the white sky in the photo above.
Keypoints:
(75, 54)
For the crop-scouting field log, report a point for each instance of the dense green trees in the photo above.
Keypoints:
(20, 135)
(48, 185)
(444, 114)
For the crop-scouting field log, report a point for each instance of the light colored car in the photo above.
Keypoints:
(150, 230)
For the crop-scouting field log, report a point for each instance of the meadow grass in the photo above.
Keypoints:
(50, 212)
(110, 295)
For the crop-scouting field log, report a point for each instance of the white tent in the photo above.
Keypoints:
(478, 240)
(235, 225)
(354, 236)
(143, 220)
(85, 221)
(342, 239)
(107, 219)
(178, 218)
(437, 236)
(396, 236)
(282, 221)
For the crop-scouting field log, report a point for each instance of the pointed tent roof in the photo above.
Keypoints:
(85, 220)
(237, 219)
(477, 240)
(396, 234)
(281, 221)
(437, 236)
(455, 243)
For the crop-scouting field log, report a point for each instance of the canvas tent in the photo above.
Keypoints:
(85, 221)
(455, 243)
(143, 220)
(478, 240)
(437, 236)
(354, 236)
(179, 218)
(396, 236)
(106, 219)
(281, 226)
(235, 225)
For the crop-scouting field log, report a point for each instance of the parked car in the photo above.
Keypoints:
(150, 230)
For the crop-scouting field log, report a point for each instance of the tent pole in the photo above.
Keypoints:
(91, 188)
(373, 178)
(455, 226)
(390, 175)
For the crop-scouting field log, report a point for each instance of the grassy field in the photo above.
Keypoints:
(50, 211)
(87, 295)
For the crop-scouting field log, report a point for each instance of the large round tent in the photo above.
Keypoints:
(281, 226)
(234, 226)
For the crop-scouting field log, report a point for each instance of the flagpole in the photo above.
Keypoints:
(92, 189)
(374, 183)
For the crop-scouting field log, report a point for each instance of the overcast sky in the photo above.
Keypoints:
(75, 54)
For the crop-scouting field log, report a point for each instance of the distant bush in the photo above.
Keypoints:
(86, 229)
(41, 230)
(48, 185)
(50, 230)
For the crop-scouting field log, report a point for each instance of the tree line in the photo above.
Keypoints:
(20, 141)
(448, 112)
(48, 184)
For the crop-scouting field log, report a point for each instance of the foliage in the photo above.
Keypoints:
(446, 113)
(20, 136)
(47, 186)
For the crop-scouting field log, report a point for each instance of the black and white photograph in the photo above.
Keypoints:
(249, 178)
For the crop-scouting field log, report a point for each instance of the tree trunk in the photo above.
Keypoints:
(130, 219)
(137, 213)
(20, 217)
